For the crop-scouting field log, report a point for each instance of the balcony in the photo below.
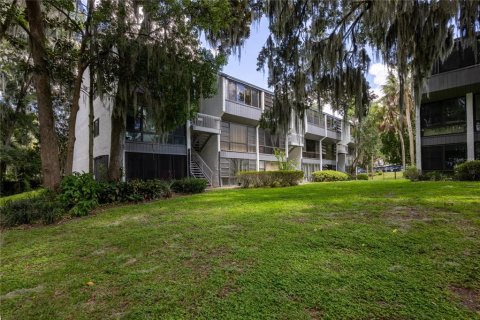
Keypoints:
(243, 111)
(296, 139)
(334, 127)
(206, 123)
(311, 155)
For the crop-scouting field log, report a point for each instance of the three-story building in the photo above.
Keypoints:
(224, 139)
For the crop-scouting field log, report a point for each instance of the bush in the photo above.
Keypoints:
(44, 208)
(412, 173)
(270, 178)
(329, 176)
(136, 190)
(468, 171)
(433, 176)
(362, 176)
(79, 193)
(189, 185)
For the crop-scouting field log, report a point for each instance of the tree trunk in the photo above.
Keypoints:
(402, 145)
(117, 145)
(49, 151)
(91, 118)
(411, 137)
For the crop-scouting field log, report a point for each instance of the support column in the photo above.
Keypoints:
(418, 144)
(189, 146)
(470, 129)
(257, 149)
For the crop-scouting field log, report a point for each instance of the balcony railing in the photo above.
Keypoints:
(296, 139)
(311, 155)
(315, 118)
(206, 121)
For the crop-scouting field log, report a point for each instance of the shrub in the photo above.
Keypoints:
(412, 173)
(135, 190)
(44, 208)
(189, 185)
(329, 175)
(362, 176)
(270, 178)
(468, 171)
(433, 176)
(79, 193)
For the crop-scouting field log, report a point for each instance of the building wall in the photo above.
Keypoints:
(214, 105)
(80, 151)
(455, 77)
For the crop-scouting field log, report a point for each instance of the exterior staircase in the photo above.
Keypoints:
(200, 139)
(200, 170)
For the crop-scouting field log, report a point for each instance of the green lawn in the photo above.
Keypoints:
(356, 250)
(18, 196)
(389, 176)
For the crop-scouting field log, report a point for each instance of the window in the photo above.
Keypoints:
(443, 157)
(334, 124)
(443, 117)
(141, 127)
(237, 137)
(229, 168)
(241, 93)
(315, 117)
(329, 151)
(268, 142)
(477, 150)
(311, 149)
(96, 127)
(100, 168)
(268, 103)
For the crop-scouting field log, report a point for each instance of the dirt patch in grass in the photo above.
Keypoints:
(469, 298)
(315, 313)
(300, 219)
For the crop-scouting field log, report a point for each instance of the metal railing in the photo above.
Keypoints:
(315, 118)
(204, 167)
(311, 154)
(206, 121)
(295, 139)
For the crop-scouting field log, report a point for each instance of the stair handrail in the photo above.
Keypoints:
(203, 166)
(208, 121)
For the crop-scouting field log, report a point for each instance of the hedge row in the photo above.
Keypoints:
(467, 171)
(79, 194)
(272, 179)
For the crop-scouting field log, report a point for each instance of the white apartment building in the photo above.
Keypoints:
(224, 139)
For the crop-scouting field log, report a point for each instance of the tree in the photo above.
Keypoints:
(393, 118)
(318, 49)
(367, 139)
(155, 58)
(48, 140)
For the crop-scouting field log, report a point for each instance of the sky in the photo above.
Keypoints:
(245, 67)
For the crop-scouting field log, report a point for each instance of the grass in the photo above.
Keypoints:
(356, 250)
(23, 195)
(389, 176)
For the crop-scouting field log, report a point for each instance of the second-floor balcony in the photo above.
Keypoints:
(311, 155)
(238, 109)
(296, 139)
(206, 123)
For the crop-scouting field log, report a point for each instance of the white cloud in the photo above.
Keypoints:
(379, 73)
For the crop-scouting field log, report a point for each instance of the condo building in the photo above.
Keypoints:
(448, 121)
(224, 138)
